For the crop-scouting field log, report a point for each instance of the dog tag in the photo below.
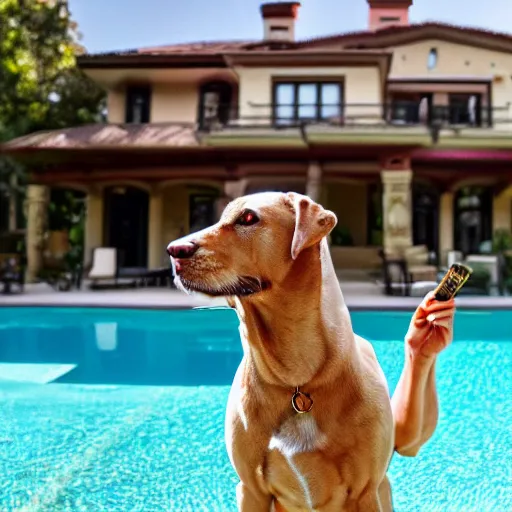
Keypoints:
(301, 402)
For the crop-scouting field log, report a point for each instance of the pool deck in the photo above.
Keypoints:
(358, 296)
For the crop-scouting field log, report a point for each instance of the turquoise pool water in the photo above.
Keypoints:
(123, 410)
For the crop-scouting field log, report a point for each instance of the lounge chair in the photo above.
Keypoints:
(418, 264)
(408, 269)
(104, 267)
(394, 273)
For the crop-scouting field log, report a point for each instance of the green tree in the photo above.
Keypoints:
(41, 87)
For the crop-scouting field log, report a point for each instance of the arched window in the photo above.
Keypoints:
(432, 59)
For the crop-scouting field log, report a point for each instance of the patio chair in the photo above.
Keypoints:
(104, 266)
(394, 273)
(406, 269)
(419, 267)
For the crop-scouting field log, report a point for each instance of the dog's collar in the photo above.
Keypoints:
(301, 402)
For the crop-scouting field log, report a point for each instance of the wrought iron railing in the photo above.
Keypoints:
(394, 114)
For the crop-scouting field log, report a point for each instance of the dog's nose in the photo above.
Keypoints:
(182, 250)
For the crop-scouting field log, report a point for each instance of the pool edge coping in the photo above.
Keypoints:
(183, 307)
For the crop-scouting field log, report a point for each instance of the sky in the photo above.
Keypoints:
(109, 25)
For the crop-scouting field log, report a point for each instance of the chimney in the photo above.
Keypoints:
(386, 13)
(279, 20)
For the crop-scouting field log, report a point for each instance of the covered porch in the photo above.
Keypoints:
(144, 186)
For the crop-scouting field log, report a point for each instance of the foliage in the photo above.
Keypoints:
(480, 278)
(41, 86)
(502, 240)
(42, 89)
(65, 209)
(67, 213)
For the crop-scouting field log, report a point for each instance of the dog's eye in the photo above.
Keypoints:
(248, 218)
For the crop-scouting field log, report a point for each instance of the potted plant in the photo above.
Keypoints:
(502, 241)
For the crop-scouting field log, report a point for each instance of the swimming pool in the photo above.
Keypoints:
(123, 410)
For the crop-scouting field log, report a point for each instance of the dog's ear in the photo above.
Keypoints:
(312, 223)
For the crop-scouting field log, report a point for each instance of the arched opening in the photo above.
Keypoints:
(473, 218)
(215, 104)
(425, 216)
(126, 224)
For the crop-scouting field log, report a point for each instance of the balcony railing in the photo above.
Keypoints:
(396, 114)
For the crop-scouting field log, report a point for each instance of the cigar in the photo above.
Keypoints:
(452, 282)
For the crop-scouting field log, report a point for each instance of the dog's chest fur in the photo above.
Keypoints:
(298, 434)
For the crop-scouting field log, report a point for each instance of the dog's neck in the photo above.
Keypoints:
(295, 334)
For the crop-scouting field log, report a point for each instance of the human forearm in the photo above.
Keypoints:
(414, 404)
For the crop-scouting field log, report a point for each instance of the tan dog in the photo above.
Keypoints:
(309, 425)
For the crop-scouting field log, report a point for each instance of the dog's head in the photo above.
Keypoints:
(252, 247)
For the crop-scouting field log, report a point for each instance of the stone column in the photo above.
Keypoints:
(445, 224)
(93, 236)
(156, 247)
(38, 197)
(397, 208)
(314, 181)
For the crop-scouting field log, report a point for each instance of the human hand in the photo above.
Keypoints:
(431, 327)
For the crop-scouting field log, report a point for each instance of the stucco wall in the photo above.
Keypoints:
(170, 103)
(349, 202)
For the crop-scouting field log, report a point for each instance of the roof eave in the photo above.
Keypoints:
(294, 58)
(400, 35)
(148, 61)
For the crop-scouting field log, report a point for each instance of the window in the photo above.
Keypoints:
(307, 101)
(432, 59)
(389, 19)
(411, 109)
(138, 105)
(215, 104)
(465, 109)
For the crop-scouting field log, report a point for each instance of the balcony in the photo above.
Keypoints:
(420, 122)
(396, 114)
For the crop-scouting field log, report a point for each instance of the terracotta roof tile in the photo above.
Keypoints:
(197, 47)
(108, 135)
(356, 39)
(200, 47)
(370, 35)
